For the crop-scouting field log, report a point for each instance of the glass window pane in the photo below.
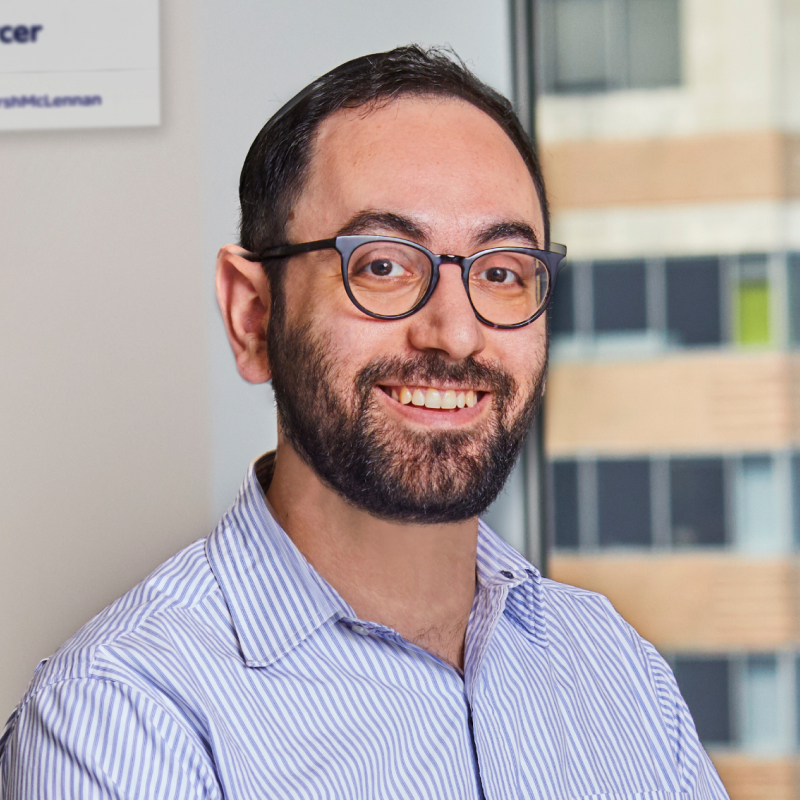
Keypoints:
(752, 301)
(565, 503)
(794, 297)
(506, 516)
(579, 37)
(620, 301)
(562, 306)
(623, 496)
(697, 501)
(757, 518)
(693, 301)
(653, 43)
(796, 505)
(761, 729)
(705, 686)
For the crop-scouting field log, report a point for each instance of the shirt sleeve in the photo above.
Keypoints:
(700, 779)
(89, 738)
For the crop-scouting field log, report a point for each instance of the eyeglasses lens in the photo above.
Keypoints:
(507, 287)
(390, 279)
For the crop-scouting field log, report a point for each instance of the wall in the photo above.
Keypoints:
(124, 429)
(104, 401)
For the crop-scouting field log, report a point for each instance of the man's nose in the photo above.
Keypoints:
(447, 322)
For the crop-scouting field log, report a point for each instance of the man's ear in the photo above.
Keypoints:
(244, 299)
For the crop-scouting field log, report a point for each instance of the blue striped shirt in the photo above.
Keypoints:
(236, 671)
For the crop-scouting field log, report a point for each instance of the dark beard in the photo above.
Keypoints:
(395, 474)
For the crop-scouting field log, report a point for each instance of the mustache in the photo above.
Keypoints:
(428, 368)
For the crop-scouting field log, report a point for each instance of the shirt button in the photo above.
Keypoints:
(506, 574)
(360, 629)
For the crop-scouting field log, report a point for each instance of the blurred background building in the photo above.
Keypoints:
(670, 135)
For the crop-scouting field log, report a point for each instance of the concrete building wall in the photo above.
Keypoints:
(713, 401)
(710, 166)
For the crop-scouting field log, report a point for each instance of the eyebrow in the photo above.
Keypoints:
(381, 221)
(508, 230)
(374, 221)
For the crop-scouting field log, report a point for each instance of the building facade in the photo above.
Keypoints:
(670, 137)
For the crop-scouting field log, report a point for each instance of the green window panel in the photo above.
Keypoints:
(753, 319)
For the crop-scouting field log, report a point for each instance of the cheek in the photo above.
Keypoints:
(523, 352)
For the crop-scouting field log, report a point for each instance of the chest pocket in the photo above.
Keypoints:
(635, 796)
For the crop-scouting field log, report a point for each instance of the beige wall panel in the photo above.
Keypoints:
(709, 402)
(748, 778)
(701, 169)
(698, 602)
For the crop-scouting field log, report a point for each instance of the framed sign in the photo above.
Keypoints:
(78, 64)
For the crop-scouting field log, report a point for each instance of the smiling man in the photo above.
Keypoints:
(351, 629)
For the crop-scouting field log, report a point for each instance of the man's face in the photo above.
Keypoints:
(444, 174)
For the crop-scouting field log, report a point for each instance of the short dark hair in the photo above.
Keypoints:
(274, 171)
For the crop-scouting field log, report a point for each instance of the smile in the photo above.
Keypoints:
(429, 397)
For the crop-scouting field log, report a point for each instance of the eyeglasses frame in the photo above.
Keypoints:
(346, 245)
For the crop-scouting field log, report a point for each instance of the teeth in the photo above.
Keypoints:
(433, 399)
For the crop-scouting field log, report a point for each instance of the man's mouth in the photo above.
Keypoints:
(429, 397)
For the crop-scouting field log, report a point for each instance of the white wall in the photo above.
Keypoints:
(124, 429)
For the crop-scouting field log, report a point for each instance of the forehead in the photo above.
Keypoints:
(440, 160)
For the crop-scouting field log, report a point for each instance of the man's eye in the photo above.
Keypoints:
(383, 268)
(499, 275)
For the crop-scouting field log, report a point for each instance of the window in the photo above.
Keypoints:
(575, 48)
(623, 503)
(693, 301)
(564, 477)
(749, 503)
(506, 516)
(598, 45)
(795, 473)
(562, 306)
(794, 297)
(620, 298)
(697, 501)
(705, 684)
(653, 43)
(761, 718)
(758, 528)
(751, 301)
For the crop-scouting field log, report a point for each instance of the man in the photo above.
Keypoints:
(351, 630)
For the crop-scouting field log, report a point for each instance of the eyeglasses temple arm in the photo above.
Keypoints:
(285, 250)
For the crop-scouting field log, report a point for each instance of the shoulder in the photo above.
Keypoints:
(587, 621)
(589, 639)
(181, 589)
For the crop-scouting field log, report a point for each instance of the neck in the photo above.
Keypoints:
(417, 579)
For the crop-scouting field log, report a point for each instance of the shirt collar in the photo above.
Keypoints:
(500, 565)
(275, 597)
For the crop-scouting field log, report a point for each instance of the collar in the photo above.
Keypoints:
(500, 566)
(277, 599)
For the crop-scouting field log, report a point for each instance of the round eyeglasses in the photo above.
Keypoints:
(389, 278)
